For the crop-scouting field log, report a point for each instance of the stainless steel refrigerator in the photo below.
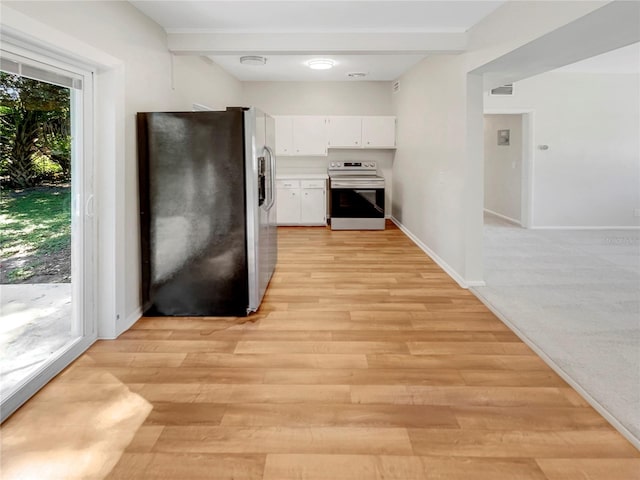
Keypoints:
(207, 211)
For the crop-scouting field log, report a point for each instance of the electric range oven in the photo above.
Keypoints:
(356, 200)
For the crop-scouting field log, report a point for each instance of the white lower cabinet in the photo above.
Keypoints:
(301, 202)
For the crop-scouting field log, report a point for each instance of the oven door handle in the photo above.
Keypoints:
(356, 185)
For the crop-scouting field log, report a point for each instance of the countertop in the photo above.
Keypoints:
(301, 175)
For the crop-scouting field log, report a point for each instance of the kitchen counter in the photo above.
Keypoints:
(301, 176)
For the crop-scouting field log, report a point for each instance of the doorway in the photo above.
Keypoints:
(47, 241)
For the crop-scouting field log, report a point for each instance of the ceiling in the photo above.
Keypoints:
(380, 38)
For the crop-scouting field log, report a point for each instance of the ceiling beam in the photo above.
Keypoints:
(615, 25)
(194, 43)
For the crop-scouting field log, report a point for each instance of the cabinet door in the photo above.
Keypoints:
(284, 135)
(345, 132)
(288, 206)
(309, 136)
(313, 206)
(379, 132)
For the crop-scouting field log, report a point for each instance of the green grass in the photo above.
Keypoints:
(34, 222)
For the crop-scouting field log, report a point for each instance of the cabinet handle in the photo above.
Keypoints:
(356, 143)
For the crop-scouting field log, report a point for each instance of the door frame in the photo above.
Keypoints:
(527, 190)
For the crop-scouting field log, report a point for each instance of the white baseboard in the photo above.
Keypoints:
(504, 217)
(476, 283)
(556, 368)
(573, 227)
(441, 263)
(132, 318)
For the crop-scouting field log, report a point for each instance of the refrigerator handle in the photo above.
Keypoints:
(272, 178)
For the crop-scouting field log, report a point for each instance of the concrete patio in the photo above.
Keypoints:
(35, 322)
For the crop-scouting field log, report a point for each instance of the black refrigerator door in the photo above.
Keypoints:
(192, 213)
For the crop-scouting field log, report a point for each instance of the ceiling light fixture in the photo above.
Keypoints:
(321, 63)
(357, 74)
(253, 60)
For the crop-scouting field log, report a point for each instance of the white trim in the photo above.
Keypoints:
(26, 31)
(556, 368)
(504, 217)
(128, 322)
(585, 227)
(441, 263)
(49, 369)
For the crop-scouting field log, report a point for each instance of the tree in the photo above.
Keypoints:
(34, 120)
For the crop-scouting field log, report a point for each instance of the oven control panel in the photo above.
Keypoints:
(353, 166)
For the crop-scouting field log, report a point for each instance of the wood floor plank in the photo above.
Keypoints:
(333, 440)
(590, 468)
(468, 396)
(483, 348)
(521, 444)
(502, 378)
(275, 360)
(176, 413)
(320, 347)
(530, 418)
(362, 377)
(342, 467)
(289, 394)
(342, 415)
(387, 467)
(519, 363)
(163, 346)
(163, 466)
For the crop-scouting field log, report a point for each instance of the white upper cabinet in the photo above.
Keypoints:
(307, 135)
(301, 135)
(361, 132)
(284, 135)
(344, 132)
(379, 132)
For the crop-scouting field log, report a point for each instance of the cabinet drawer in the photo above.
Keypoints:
(313, 183)
(287, 183)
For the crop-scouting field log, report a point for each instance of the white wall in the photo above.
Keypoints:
(327, 98)
(147, 83)
(590, 175)
(320, 98)
(438, 167)
(503, 166)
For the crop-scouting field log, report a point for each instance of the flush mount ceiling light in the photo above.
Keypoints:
(357, 74)
(253, 60)
(321, 63)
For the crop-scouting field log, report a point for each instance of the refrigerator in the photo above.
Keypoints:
(207, 211)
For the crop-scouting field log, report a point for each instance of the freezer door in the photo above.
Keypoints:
(192, 213)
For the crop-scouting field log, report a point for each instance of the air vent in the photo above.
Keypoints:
(503, 90)
(396, 86)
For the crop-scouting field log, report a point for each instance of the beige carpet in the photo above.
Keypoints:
(576, 295)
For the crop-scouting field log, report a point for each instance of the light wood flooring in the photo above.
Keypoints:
(366, 361)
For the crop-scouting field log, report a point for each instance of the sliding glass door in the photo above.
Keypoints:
(47, 315)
